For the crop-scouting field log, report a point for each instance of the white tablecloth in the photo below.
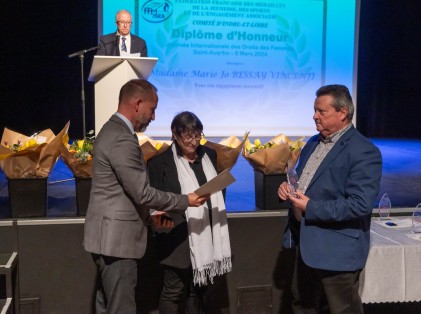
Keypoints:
(393, 269)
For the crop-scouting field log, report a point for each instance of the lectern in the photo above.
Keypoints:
(110, 73)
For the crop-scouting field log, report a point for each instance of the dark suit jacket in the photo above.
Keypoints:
(108, 45)
(120, 199)
(335, 232)
(173, 247)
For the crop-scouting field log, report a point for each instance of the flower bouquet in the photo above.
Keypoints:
(27, 162)
(274, 155)
(78, 155)
(150, 147)
(30, 156)
(78, 158)
(227, 151)
(270, 162)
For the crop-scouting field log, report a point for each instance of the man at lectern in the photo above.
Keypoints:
(118, 212)
(122, 42)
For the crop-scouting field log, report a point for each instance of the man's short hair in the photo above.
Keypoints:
(341, 97)
(137, 88)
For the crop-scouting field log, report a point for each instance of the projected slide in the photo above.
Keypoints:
(243, 65)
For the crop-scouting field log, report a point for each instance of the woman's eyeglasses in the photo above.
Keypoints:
(187, 139)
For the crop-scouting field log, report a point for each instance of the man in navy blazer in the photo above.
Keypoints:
(339, 179)
(122, 42)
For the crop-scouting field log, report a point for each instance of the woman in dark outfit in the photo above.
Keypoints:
(198, 247)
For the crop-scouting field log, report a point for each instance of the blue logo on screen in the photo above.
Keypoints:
(156, 11)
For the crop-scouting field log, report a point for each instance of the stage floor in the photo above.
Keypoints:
(401, 180)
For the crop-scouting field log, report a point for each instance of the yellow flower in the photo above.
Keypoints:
(30, 143)
(257, 143)
(80, 143)
(82, 149)
(158, 146)
(203, 141)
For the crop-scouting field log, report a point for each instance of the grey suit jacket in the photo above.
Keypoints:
(116, 220)
(108, 45)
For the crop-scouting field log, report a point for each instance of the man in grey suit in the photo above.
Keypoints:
(118, 212)
(122, 42)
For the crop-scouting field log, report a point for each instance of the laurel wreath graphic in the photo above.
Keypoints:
(298, 54)
(165, 48)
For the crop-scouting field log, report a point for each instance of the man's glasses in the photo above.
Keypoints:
(123, 23)
(188, 139)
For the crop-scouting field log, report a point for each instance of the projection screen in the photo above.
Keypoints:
(243, 65)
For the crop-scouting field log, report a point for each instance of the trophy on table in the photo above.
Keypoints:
(416, 219)
(384, 206)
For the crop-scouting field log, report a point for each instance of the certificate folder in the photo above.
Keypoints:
(220, 182)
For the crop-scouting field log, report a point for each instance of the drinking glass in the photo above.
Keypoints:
(384, 206)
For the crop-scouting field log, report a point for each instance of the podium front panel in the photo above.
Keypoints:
(107, 90)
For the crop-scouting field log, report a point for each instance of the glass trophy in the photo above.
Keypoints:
(292, 178)
(385, 206)
(416, 219)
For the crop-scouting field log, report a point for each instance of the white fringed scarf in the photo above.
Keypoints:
(210, 250)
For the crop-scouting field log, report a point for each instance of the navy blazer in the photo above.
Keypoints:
(334, 233)
(108, 45)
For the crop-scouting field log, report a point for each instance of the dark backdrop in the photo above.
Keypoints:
(389, 89)
(41, 86)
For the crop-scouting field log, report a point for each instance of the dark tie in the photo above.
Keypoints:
(123, 45)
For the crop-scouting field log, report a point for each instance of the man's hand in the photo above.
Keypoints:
(160, 220)
(299, 201)
(284, 191)
(195, 200)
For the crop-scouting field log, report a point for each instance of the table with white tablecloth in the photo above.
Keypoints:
(393, 269)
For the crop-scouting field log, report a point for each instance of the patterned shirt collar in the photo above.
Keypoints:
(333, 138)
